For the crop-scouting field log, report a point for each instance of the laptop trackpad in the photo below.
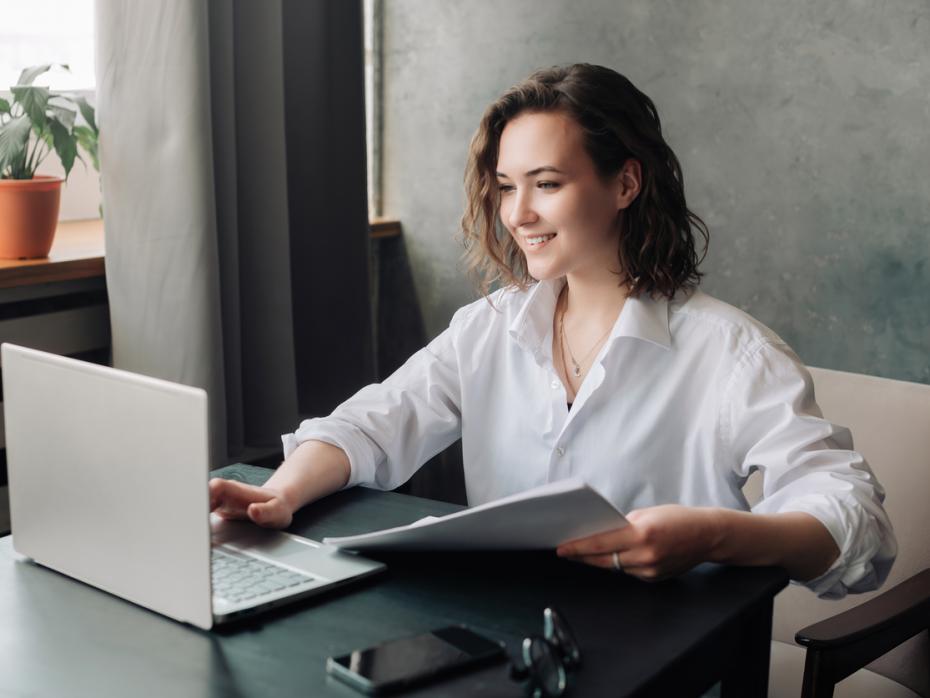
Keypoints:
(314, 558)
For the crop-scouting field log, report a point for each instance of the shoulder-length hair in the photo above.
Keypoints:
(656, 244)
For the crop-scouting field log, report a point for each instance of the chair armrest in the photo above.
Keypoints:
(845, 643)
(897, 614)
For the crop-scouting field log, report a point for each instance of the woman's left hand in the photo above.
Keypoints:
(659, 542)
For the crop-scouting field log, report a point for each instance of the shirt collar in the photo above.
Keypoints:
(642, 318)
(532, 325)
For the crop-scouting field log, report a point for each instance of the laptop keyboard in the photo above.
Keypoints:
(241, 577)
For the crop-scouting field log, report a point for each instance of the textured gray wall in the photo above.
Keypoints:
(802, 127)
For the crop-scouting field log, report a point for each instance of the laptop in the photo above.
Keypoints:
(108, 475)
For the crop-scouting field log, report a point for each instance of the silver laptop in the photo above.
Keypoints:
(108, 476)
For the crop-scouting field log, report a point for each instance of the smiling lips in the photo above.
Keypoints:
(538, 240)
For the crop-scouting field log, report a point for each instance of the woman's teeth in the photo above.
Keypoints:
(540, 239)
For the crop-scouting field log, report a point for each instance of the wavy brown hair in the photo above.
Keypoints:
(656, 247)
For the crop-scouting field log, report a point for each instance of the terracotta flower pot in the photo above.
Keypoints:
(28, 216)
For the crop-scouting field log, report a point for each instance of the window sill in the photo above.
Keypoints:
(384, 228)
(78, 253)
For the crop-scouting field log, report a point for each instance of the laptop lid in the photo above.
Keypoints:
(108, 479)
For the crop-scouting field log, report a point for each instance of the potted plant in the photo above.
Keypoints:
(35, 123)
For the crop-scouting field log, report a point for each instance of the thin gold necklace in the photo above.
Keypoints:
(562, 355)
(576, 365)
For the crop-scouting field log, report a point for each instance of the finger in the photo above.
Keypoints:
(230, 499)
(271, 514)
(646, 573)
(215, 487)
(618, 539)
(243, 490)
(237, 495)
(219, 491)
(603, 561)
(606, 560)
(230, 509)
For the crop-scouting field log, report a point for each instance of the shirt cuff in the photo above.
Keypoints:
(363, 457)
(867, 548)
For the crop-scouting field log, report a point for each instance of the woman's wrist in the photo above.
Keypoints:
(744, 538)
(314, 470)
(287, 498)
(717, 533)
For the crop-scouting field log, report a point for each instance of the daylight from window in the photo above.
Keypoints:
(48, 31)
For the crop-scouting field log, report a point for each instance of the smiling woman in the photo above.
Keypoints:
(562, 217)
(611, 133)
(598, 358)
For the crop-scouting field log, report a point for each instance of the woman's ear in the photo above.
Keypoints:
(629, 182)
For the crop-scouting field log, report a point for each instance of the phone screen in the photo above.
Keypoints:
(414, 659)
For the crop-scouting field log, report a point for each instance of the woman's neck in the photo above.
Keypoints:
(593, 302)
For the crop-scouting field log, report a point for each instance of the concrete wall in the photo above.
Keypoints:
(803, 128)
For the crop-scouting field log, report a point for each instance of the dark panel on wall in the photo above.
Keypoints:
(327, 199)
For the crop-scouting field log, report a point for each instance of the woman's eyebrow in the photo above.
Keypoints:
(533, 173)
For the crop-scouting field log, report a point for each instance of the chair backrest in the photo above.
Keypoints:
(890, 424)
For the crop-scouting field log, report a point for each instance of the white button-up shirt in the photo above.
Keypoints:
(684, 401)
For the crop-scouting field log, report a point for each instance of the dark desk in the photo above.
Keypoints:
(59, 637)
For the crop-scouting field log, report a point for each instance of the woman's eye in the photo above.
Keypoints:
(507, 188)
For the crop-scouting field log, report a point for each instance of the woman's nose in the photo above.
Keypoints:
(522, 212)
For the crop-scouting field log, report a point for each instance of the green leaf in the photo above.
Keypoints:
(85, 136)
(29, 74)
(62, 115)
(87, 111)
(4, 106)
(33, 100)
(87, 139)
(14, 137)
(65, 145)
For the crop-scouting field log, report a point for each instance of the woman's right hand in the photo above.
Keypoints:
(265, 506)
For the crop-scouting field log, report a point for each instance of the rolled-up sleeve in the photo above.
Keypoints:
(389, 429)
(808, 464)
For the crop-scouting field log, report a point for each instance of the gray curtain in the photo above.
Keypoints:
(227, 231)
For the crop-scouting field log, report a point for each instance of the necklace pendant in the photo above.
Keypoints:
(576, 370)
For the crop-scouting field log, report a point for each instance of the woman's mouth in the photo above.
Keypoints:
(537, 241)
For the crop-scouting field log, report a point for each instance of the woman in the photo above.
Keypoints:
(599, 358)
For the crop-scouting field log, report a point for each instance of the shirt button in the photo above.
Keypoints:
(555, 385)
(560, 451)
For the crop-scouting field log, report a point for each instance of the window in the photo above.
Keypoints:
(373, 23)
(48, 31)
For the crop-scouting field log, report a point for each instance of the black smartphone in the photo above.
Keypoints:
(397, 664)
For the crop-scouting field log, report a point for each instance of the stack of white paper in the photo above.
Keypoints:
(540, 518)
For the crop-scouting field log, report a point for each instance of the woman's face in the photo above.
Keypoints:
(553, 202)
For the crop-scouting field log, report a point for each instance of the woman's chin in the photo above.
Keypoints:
(544, 274)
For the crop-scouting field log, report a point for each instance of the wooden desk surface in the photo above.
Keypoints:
(61, 637)
(77, 253)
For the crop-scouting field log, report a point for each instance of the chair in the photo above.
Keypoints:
(890, 424)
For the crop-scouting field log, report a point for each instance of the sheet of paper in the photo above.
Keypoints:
(537, 519)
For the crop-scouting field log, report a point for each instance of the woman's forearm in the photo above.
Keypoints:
(793, 540)
(314, 470)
